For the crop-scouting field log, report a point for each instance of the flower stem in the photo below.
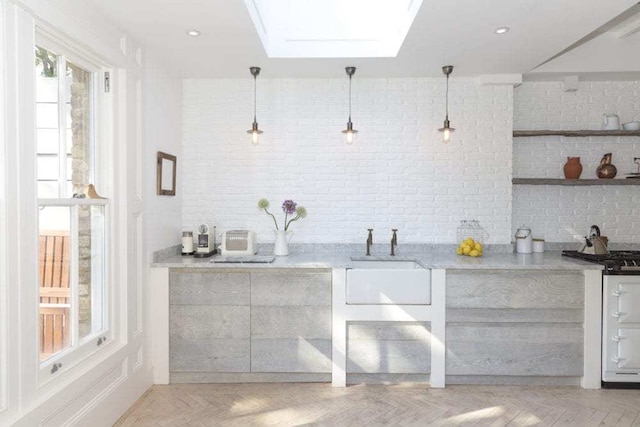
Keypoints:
(286, 227)
(273, 217)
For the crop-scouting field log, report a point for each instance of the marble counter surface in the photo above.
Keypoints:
(490, 261)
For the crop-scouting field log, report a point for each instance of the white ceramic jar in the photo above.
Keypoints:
(538, 245)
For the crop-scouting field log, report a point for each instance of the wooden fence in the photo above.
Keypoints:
(54, 267)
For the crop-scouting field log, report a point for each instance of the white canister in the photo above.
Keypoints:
(187, 243)
(524, 241)
(538, 245)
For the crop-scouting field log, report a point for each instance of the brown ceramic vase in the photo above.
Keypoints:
(573, 168)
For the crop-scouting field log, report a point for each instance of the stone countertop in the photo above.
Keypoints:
(490, 261)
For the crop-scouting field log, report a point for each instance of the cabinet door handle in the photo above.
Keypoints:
(618, 313)
(617, 338)
(617, 359)
(617, 293)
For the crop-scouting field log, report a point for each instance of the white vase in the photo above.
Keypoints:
(281, 246)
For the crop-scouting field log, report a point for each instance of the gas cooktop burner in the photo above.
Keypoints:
(614, 261)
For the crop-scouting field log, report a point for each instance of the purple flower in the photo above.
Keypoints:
(289, 207)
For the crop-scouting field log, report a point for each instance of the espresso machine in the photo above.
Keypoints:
(206, 241)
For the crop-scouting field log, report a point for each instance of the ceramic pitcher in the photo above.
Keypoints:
(281, 246)
(606, 170)
(610, 122)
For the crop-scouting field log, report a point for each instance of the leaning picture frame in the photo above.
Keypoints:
(166, 174)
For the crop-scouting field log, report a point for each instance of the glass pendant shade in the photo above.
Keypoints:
(255, 134)
(349, 134)
(446, 131)
(254, 131)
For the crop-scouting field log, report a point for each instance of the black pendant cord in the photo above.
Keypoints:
(255, 86)
(447, 100)
(350, 99)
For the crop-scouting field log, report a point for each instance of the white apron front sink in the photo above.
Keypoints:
(394, 282)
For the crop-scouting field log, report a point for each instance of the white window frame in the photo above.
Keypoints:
(101, 148)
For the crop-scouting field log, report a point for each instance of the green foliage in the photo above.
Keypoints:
(49, 62)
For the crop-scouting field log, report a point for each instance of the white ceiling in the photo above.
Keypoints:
(444, 32)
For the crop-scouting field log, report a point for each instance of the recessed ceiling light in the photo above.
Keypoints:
(193, 33)
(501, 30)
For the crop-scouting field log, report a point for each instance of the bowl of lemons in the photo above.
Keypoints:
(469, 247)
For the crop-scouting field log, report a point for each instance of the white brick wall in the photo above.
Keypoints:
(398, 174)
(563, 213)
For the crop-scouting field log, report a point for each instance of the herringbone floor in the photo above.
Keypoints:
(370, 405)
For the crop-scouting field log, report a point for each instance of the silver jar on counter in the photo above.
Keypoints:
(524, 241)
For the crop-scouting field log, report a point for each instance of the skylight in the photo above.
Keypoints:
(332, 28)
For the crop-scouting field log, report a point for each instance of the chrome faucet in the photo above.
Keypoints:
(394, 241)
(369, 241)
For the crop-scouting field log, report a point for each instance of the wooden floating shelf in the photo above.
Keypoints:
(575, 133)
(553, 181)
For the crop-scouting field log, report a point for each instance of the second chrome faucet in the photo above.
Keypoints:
(394, 241)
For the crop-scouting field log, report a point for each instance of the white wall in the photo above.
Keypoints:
(162, 122)
(398, 174)
(561, 214)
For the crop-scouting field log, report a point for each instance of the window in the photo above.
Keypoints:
(72, 263)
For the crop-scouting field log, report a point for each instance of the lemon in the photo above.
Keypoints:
(478, 246)
(469, 241)
(459, 250)
(474, 253)
(466, 250)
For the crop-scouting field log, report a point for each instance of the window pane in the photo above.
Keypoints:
(91, 282)
(48, 189)
(47, 115)
(48, 141)
(48, 168)
(54, 279)
(79, 121)
(47, 122)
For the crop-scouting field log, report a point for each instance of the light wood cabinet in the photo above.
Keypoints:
(249, 325)
(515, 327)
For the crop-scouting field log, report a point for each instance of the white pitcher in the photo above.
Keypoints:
(610, 122)
(281, 245)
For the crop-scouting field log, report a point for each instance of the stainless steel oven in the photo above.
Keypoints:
(620, 316)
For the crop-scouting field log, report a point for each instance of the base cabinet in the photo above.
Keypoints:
(515, 327)
(249, 325)
(258, 325)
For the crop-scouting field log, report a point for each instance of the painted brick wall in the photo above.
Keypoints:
(398, 174)
(561, 214)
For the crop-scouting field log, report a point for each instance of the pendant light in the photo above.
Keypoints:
(447, 129)
(254, 131)
(350, 132)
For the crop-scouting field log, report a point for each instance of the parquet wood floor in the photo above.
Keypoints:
(286, 404)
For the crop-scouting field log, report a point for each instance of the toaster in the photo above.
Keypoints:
(239, 242)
